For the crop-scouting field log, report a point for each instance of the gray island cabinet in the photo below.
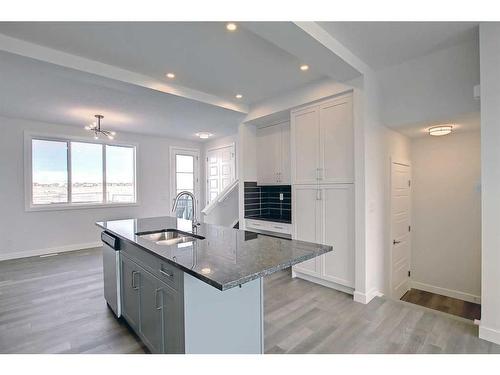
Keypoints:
(197, 291)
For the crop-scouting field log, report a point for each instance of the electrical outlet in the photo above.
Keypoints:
(281, 196)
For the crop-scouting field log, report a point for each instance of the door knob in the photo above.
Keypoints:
(394, 242)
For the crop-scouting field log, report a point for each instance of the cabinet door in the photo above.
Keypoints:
(305, 145)
(172, 321)
(338, 231)
(150, 312)
(307, 224)
(336, 141)
(130, 279)
(268, 155)
(285, 154)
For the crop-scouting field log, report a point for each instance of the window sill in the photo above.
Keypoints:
(76, 206)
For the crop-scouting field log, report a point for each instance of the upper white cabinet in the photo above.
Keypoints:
(273, 155)
(322, 141)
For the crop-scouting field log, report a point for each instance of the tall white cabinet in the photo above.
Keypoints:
(322, 173)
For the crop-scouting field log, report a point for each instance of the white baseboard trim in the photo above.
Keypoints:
(489, 334)
(328, 284)
(365, 298)
(52, 250)
(445, 292)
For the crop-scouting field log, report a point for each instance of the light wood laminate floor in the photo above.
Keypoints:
(55, 305)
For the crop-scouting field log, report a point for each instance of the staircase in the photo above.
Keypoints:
(223, 210)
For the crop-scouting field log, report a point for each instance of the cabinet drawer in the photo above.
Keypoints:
(165, 271)
(270, 226)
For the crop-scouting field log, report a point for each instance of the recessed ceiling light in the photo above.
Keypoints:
(239, 96)
(231, 26)
(440, 130)
(170, 75)
(204, 135)
(304, 67)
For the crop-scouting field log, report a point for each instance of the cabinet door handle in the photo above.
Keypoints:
(166, 274)
(135, 287)
(158, 291)
(318, 194)
(394, 242)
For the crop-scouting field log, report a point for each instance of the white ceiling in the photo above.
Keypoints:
(203, 55)
(461, 123)
(381, 44)
(258, 60)
(40, 91)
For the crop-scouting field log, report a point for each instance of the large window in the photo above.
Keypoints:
(71, 173)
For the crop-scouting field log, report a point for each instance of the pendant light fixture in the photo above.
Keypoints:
(96, 128)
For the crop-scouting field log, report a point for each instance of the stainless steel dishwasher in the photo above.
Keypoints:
(111, 270)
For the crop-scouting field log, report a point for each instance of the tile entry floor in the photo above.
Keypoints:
(464, 309)
(55, 305)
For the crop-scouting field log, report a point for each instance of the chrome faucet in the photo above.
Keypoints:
(176, 202)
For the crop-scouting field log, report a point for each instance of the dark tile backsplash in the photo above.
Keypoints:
(263, 202)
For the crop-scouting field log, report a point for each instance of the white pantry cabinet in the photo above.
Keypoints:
(322, 142)
(325, 214)
(273, 155)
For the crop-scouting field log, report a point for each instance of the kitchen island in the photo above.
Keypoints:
(197, 290)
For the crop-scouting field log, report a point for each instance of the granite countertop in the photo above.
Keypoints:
(226, 258)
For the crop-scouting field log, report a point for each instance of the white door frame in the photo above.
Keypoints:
(191, 152)
(390, 239)
(232, 144)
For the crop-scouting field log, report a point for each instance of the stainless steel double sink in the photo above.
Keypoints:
(168, 237)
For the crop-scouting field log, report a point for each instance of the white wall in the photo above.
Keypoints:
(489, 35)
(30, 233)
(380, 145)
(446, 215)
(431, 88)
(247, 141)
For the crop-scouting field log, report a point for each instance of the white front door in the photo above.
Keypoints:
(400, 229)
(220, 170)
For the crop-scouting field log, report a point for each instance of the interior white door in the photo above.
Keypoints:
(307, 227)
(338, 231)
(305, 145)
(220, 170)
(336, 141)
(400, 229)
(268, 155)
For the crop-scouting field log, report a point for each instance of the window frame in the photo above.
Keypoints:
(28, 172)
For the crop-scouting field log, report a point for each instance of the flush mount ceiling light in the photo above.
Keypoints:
(96, 128)
(170, 75)
(304, 67)
(231, 26)
(238, 96)
(204, 135)
(440, 130)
